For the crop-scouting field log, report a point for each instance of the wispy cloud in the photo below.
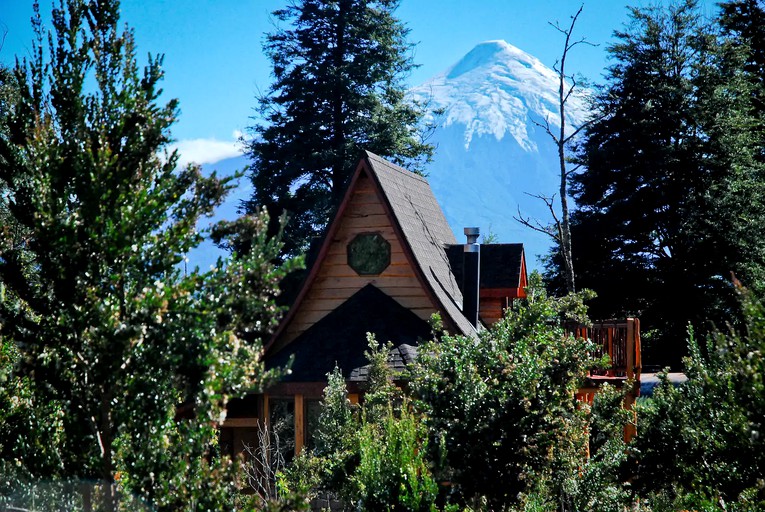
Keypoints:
(206, 151)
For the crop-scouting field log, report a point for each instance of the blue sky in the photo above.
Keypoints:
(215, 67)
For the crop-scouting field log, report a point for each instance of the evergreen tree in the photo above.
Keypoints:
(671, 200)
(744, 22)
(338, 73)
(107, 328)
(8, 92)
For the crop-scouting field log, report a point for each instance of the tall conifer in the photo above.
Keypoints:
(671, 200)
(744, 22)
(338, 69)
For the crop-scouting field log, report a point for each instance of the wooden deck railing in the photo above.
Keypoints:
(620, 340)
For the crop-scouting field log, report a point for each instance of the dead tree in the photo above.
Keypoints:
(560, 229)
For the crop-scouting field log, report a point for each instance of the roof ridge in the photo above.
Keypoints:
(394, 167)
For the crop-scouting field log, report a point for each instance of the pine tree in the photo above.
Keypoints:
(338, 73)
(672, 194)
(744, 22)
(108, 327)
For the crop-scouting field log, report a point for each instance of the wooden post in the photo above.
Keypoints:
(630, 348)
(638, 348)
(299, 424)
(610, 347)
(630, 429)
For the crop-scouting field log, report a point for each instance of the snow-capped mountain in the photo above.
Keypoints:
(490, 152)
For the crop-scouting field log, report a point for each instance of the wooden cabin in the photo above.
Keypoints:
(389, 261)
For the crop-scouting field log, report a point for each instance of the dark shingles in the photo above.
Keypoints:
(426, 232)
(399, 359)
(340, 338)
(500, 264)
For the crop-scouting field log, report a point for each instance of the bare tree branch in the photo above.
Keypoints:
(560, 229)
(573, 170)
(535, 225)
(546, 128)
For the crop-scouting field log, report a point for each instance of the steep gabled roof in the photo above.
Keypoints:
(339, 339)
(424, 226)
(423, 232)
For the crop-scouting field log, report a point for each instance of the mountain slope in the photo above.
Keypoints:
(490, 152)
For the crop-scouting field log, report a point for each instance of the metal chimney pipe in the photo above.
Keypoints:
(471, 272)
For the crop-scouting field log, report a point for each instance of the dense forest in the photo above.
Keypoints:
(117, 364)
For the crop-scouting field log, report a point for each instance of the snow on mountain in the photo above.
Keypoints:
(490, 152)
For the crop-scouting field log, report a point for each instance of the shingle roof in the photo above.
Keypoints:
(501, 264)
(339, 339)
(400, 358)
(421, 220)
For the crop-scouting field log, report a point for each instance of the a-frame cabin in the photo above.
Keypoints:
(389, 261)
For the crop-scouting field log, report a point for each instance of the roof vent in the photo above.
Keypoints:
(472, 235)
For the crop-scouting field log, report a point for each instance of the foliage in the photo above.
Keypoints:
(7, 94)
(112, 337)
(600, 482)
(704, 437)
(393, 472)
(501, 406)
(29, 431)
(380, 391)
(302, 478)
(373, 456)
(671, 200)
(338, 72)
(744, 23)
(335, 433)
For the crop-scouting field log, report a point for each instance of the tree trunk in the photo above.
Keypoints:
(106, 439)
(565, 227)
(338, 112)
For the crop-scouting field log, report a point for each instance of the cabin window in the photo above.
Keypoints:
(282, 419)
(312, 412)
(369, 254)
(236, 440)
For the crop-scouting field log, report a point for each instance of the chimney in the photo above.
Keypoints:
(471, 272)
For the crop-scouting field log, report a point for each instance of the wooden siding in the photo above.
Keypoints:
(491, 309)
(494, 301)
(336, 282)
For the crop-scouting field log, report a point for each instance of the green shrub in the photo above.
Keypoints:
(393, 473)
(599, 484)
(702, 444)
(373, 456)
(501, 406)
